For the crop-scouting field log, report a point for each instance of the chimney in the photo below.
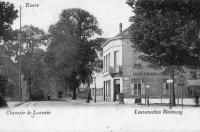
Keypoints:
(120, 27)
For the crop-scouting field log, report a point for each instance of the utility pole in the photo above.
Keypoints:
(95, 90)
(20, 61)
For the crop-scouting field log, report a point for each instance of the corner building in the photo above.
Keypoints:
(124, 71)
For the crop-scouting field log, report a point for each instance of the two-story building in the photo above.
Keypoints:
(124, 71)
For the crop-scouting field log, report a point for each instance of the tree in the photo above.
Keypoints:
(33, 67)
(73, 47)
(32, 38)
(97, 50)
(8, 14)
(167, 32)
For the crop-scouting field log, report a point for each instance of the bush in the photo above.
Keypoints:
(37, 97)
(84, 93)
(2, 101)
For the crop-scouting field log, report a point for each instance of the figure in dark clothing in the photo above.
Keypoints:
(88, 96)
(48, 96)
(121, 98)
(196, 99)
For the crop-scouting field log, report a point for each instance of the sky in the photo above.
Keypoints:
(109, 13)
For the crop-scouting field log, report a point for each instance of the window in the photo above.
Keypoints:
(137, 63)
(116, 58)
(137, 89)
(105, 88)
(104, 63)
(109, 88)
(198, 74)
(166, 88)
(108, 63)
(193, 74)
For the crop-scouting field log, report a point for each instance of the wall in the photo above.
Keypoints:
(114, 45)
(151, 77)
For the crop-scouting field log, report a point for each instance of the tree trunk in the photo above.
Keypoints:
(172, 100)
(29, 88)
(74, 94)
(74, 91)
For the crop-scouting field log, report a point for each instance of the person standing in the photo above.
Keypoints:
(196, 100)
(48, 96)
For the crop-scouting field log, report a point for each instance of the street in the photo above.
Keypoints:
(59, 116)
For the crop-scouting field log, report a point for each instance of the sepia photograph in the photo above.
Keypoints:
(99, 65)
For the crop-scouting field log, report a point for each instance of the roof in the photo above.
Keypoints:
(124, 34)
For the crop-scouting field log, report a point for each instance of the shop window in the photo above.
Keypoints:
(137, 89)
(166, 88)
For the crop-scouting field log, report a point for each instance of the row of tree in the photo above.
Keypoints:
(71, 55)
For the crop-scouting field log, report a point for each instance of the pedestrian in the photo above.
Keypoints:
(196, 99)
(121, 98)
(48, 96)
(88, 95)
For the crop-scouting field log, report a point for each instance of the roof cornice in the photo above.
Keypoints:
(115, 38)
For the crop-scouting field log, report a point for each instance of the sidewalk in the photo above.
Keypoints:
(91, 102)
(152, 102)
(12, 104)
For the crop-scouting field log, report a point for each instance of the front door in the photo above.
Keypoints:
(116, 89)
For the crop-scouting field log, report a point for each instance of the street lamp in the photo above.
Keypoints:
(95, 90)
(147, 87)
(170, 81)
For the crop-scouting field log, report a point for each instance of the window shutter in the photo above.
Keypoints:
(132, 89)
(175, 88)
(164, 89)
(143, 88)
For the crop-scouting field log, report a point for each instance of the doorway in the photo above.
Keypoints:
(116, 89)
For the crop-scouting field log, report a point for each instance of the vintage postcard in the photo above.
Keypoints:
(99, 65)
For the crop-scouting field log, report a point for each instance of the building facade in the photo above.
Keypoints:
(125, 72)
